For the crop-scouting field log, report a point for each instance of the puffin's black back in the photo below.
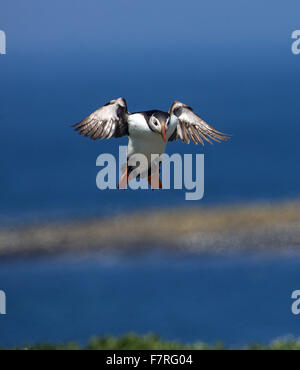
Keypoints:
(160, 115)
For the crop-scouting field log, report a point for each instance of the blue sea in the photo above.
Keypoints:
(238, 300)
(232, 62)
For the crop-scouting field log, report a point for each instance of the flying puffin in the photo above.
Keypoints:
(148, 131)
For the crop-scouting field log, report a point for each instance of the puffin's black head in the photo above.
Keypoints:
(159, 122)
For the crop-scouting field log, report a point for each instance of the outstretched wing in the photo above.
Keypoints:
(107, 121)
(192, 127)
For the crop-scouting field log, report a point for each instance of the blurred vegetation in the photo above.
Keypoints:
(150, 341)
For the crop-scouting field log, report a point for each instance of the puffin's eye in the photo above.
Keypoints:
(155, 123)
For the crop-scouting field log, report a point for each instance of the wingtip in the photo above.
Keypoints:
(75, 124)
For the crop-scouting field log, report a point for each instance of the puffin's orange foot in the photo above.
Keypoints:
(124, 180)
(154, 180)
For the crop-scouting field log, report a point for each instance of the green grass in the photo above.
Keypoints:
(150, 341)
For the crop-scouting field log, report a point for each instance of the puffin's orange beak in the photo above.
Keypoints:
(163, 132)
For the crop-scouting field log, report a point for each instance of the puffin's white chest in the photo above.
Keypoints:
(142, 139)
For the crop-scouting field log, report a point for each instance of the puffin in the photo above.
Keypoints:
(148, 133)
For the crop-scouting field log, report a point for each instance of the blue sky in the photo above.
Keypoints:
(68, 25)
